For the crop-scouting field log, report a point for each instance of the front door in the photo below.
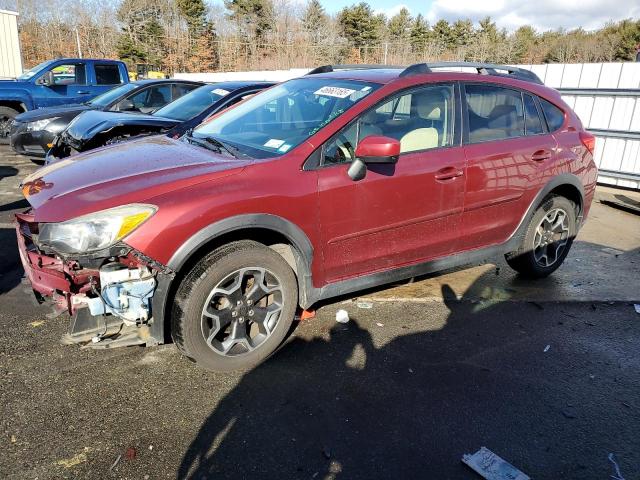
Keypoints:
(70, 85)
(398, 214)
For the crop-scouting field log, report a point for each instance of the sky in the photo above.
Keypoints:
(510, 14)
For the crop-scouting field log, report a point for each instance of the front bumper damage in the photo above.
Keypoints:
(109, 294)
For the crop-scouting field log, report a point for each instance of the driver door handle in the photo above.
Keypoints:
(448, 173)
(83, 92)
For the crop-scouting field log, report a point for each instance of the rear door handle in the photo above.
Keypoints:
(541, 155)
(448, 173)
(83, 92)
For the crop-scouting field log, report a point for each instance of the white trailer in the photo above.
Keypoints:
(10, 56)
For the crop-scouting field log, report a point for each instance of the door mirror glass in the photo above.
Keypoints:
(378, 149)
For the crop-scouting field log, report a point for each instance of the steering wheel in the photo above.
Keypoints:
(344, 150)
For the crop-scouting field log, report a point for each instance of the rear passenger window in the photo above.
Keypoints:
(533, 124)
(107, 74)
(554, 116)
(494, 113)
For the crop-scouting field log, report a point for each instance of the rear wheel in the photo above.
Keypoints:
(6, 117)
(235, 307)
(547, 240)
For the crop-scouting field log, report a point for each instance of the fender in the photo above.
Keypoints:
(16, 95)
(303, 253)
(555, 182)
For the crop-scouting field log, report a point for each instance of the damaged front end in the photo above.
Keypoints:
(107, 290)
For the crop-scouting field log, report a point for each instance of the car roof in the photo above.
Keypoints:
(376, 75)
(165, 80)
(387, 75)
(236, 84)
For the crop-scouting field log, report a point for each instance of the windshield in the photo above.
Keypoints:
(30, 73)
(193, 103)
(109, 96)
(279, 119)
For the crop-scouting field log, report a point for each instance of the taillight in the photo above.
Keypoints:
(588, 140)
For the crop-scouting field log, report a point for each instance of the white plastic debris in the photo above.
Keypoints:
(363, 304)
(490, 466)
(546, 349)
(637, 307)
(342, 316)
(380, 324)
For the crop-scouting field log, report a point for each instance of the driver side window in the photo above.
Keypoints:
(421, 119)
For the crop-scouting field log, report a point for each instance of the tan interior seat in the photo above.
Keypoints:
(424, 137)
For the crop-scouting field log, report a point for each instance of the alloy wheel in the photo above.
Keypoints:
(242, 311)
(551, 237)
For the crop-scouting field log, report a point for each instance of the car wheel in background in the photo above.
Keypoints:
(6, 117)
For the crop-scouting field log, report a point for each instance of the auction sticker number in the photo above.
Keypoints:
(337, 92)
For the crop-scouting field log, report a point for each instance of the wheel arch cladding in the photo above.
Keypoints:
(286, 238)
(565, 185)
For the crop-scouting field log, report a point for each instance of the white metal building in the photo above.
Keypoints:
(10, 56)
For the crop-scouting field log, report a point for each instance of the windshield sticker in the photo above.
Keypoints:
(274, 143)
(337, 92)
(220, 91)
(322, 124)
(284, 148)
(365, 89)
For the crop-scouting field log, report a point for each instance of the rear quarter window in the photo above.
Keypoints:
(553, 115)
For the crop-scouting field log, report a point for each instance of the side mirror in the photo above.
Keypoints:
(47, 79)
(126, 105)
(378, 149)
(374, 149)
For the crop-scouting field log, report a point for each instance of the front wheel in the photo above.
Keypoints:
(547, 240)
(6, 118)
(235, 307)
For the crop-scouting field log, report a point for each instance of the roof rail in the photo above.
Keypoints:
(481, 68)
(357, 66)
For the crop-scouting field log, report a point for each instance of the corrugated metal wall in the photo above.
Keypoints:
(10, 57)
(606, 97)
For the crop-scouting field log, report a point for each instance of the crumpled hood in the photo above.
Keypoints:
(90, 123)
(120, 174)
(50, 112)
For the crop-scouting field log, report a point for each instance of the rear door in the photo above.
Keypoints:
(398, 214)
(507, 148)
(105, 77)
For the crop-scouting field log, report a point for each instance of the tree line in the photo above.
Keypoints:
(193, 36)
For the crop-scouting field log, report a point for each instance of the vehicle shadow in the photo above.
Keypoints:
(351, 405)
(6, 171)
(11, 270)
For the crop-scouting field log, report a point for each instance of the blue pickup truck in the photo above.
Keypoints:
(57, 82)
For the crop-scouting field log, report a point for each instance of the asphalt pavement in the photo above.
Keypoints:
(545, 374)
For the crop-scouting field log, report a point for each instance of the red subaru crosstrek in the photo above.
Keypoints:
(341, 180)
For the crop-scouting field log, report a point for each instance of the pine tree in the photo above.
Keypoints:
(420, 34)
(314, 21)
(360, 26)
(254, 18)
(194, 12)
(399, 27)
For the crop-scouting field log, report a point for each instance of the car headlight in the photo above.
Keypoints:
(94, 231)
(40, 124)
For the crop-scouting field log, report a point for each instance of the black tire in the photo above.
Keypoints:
(6, 117)
(188, 321)
(532, 262)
